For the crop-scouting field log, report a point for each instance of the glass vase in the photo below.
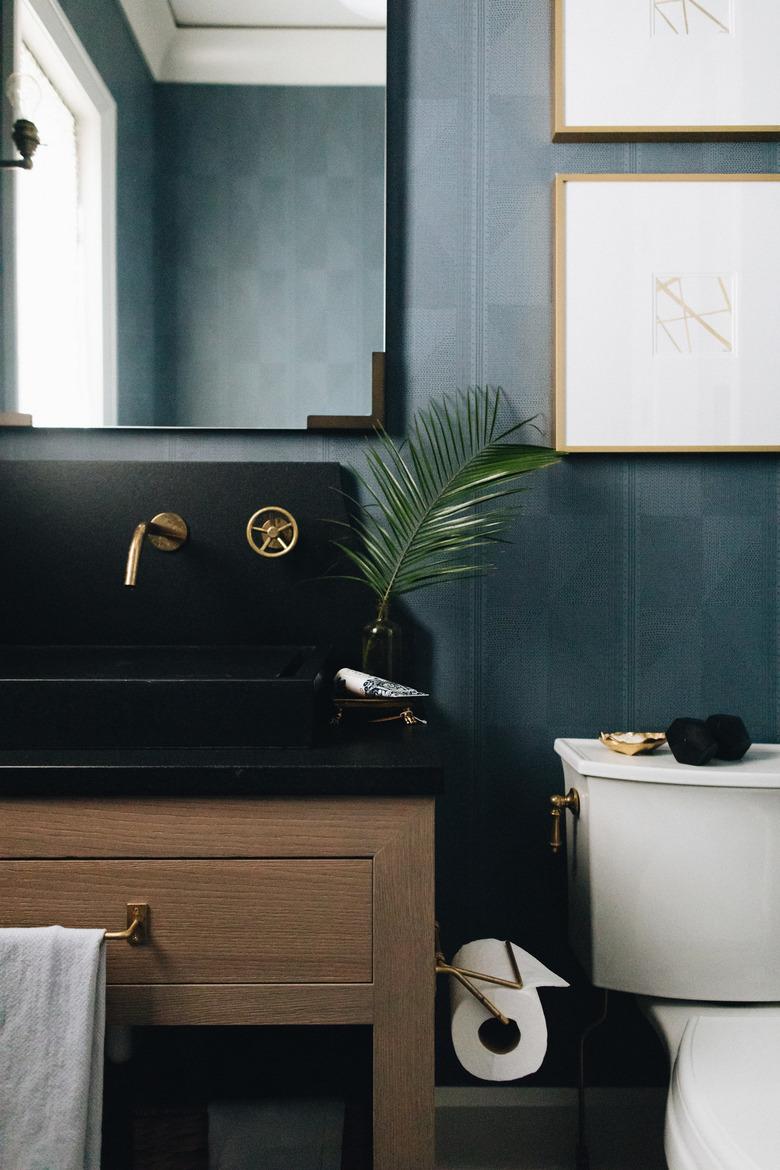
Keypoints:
(382, 647)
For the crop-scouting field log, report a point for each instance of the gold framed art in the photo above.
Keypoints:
(662, 70)
(667, 293)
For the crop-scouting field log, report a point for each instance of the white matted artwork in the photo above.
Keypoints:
(666, 69)
(667, 311)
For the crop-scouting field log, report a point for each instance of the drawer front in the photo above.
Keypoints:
(210, 921)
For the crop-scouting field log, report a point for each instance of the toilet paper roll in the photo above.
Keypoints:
(485, 1047)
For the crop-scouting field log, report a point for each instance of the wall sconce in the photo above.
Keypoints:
(24, 95)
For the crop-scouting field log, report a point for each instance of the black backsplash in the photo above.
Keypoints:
(65, 528)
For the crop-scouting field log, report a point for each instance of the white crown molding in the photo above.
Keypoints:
(255, 56)
(153, 26)
(277, 56)
(275, 14)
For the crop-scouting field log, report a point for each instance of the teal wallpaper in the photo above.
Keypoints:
(636, 589)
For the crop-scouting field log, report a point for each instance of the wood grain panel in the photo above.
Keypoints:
(240, 1004)
(205, 827)
(404, 990)
(302, 921)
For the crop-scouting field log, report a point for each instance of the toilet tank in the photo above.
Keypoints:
(674, 872)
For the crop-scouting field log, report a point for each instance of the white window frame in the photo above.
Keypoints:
(45, 29)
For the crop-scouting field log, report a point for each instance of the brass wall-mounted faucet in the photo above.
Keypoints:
(166, 531)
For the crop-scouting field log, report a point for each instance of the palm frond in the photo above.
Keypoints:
(422, 522)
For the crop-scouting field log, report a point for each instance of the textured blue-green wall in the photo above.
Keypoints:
(637, 588)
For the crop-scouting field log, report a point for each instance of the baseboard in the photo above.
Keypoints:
(621, 1097)
(534, 1127)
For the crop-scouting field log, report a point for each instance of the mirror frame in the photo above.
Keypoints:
(359, 422)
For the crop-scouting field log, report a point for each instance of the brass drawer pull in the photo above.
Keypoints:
(137, 931)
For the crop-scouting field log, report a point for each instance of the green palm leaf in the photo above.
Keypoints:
(419, 525)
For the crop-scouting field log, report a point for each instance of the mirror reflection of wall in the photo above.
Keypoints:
(270, 252)
(249, 226)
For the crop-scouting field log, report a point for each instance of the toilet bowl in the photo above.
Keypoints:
(722, 1108)
(674, 875)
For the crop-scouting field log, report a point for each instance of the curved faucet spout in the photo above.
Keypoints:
(134, 552)
(166, 531)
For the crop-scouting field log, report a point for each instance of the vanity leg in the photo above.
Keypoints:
(404, 996)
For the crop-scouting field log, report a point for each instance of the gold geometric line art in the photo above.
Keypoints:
(668, 333)
(663, 15)
(709, 313)
(725, 297)
(688, 311)
(670, 292)
(686, 315)
(677, 16)
(708, 14)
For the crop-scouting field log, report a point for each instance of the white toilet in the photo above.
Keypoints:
(674, 892)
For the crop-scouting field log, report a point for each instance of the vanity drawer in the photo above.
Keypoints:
(210, 921)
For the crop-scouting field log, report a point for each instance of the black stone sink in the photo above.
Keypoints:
(161, 696)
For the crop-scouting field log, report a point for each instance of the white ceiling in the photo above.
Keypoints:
(261, 42)
(277, 13)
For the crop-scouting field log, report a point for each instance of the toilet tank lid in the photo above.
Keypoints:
(760, 768)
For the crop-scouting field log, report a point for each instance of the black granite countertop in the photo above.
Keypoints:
(400, 762)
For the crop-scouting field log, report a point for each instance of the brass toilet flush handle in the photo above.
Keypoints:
(557, 802)
(166, 531)
(272, 532)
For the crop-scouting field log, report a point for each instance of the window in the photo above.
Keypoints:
(65, 232)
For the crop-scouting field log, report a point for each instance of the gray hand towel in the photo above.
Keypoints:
(52, 1022)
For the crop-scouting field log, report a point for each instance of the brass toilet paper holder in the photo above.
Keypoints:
(464, 977)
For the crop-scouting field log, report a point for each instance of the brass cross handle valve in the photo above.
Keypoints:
(571, 801)
(272, 532)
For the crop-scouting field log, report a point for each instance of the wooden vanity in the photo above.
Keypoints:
(284, 887)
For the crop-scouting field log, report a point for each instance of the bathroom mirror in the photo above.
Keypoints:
(200, 242)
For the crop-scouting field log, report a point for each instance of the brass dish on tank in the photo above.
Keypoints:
(632, 743)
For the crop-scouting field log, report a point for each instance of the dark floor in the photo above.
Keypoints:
(537, 1129)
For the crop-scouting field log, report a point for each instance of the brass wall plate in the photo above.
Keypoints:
(136, 932)
(272, 531)
(167, 531)
(138, 919)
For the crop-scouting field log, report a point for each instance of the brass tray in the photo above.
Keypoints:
(632, 743)
(385, 710)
